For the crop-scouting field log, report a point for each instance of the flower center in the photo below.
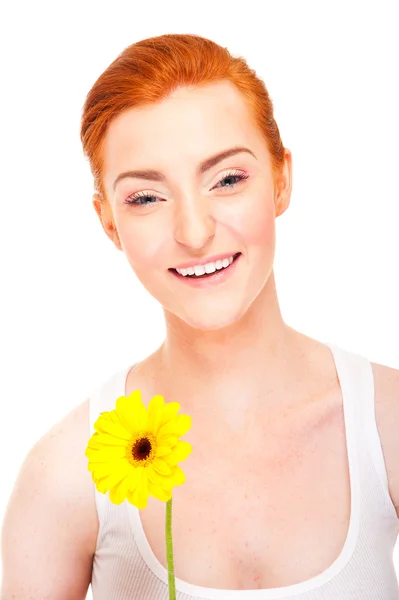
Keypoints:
(142, 449)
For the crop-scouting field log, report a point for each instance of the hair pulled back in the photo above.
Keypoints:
(149, 70)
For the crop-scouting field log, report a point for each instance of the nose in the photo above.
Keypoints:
(194, 224)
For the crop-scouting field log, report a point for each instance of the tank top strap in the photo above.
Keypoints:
(357, 383)
(101, 399)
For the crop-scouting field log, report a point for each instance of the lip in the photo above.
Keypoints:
(194, 263)
(218, 277)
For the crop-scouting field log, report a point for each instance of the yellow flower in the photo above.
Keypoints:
(134, 451)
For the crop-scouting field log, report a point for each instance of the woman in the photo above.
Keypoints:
(292, 488)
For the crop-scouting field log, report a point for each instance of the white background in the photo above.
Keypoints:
(72, 311)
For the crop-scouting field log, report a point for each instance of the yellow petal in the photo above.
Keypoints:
(93, 441)
(155, 412)
(106, 453)
(119, 492)
(162, 451)
(105, 439)
(183, 424)
(140, 495)
(119, 419)
(109, 473)
(177, 426)
(161, 467)
(134, 478)
(132, 411)
(167, 440)
(158, 492)
(169, 412)
(106, 483)
(107, 426)
(178, 453)
(163, 481)
(115, 418)
(177, 475)
(103, 468)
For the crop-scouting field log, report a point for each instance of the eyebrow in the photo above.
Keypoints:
(207, 164)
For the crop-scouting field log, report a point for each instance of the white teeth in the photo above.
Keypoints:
(200, 270)
(210, 267)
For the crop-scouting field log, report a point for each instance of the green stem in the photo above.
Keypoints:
(169, 551)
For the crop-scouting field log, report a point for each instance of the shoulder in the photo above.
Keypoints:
(60, 456)
(66, 439)
(53, 494)
(386, 385)
(54, 478)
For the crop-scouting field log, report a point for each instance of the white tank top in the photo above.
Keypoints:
(125, 568)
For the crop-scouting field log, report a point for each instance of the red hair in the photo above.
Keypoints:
(149, 70)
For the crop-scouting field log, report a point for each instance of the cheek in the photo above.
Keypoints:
(143, 249)
(255, 224)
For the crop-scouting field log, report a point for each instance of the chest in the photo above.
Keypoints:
(269, 514)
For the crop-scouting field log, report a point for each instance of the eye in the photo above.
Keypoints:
(140, 198)
(238, 175)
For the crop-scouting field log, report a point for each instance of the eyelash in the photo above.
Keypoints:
(134, 197)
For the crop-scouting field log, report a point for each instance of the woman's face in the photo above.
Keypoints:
(192, 214)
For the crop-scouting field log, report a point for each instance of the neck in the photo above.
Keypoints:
(255, 358)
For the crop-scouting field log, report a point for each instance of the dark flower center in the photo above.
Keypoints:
(141, 449)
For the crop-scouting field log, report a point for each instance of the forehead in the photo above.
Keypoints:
(188, 125)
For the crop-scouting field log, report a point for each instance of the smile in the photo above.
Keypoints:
(209, 274)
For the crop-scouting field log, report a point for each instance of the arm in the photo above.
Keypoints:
(50, 527)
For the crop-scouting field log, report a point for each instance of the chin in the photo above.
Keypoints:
(211, 319)
(220, 309)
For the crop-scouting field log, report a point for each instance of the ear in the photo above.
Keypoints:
(284, 185)
(104, 213)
